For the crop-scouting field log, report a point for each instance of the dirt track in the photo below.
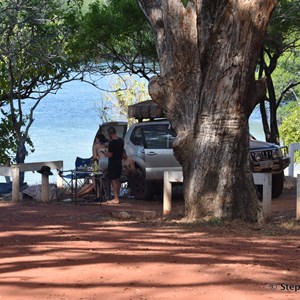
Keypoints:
(74, 252)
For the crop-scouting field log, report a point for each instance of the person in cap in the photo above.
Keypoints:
(115, 156)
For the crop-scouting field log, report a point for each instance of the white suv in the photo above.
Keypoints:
(150, 145)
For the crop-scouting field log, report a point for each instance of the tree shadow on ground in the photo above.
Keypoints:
(63, 237)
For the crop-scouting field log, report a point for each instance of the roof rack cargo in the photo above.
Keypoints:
(145, 110)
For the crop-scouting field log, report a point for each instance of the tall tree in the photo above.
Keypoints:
(34, 61)
(208, 52)
(282, 43)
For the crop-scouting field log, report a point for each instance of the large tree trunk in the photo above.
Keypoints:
(208, 52)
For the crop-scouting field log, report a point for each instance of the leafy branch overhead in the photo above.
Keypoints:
(127, 91)
(116, 36)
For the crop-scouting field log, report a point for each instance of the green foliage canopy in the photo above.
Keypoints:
(116, 36)
(290, 125)
(286, 77)
(127, 91)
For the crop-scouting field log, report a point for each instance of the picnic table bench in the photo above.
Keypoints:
(264, 179)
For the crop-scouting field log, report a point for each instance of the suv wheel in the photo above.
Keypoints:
(277, 184)
(142, 190)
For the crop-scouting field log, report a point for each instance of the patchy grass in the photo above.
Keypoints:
(287, 227)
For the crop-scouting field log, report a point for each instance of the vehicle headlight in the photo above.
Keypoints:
(258, 156)
(275, 154)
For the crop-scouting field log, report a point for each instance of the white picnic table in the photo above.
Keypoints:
(15, 170)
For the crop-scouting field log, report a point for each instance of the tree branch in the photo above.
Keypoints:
(285, 91)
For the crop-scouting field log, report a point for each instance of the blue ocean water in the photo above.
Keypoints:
(66, 122)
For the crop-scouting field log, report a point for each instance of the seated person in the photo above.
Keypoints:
(128, 168)
(99, 147)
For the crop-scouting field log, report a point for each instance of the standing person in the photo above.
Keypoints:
(115, 156)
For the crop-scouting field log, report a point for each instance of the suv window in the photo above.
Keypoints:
(121, 129)
(158, 136)
(137, 137)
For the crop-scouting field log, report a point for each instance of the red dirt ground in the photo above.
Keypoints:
(60, 251)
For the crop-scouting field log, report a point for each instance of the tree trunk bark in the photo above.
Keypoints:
(20, 158)
(264, 118)
(274, 131)
(218, 181)
(262, 105)
(208, 53)
(270, 128)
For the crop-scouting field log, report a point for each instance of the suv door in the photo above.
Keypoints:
(159, 157)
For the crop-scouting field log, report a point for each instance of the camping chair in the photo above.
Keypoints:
(70, 176)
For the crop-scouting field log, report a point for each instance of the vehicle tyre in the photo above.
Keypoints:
(277, 184)
(142, 190)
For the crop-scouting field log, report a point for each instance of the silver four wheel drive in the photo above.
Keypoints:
(150, 145)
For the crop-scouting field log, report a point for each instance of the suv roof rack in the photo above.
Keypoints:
(146, 110)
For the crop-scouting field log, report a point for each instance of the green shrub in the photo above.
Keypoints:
(289, 117)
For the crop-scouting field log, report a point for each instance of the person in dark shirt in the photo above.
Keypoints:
(115, 156)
